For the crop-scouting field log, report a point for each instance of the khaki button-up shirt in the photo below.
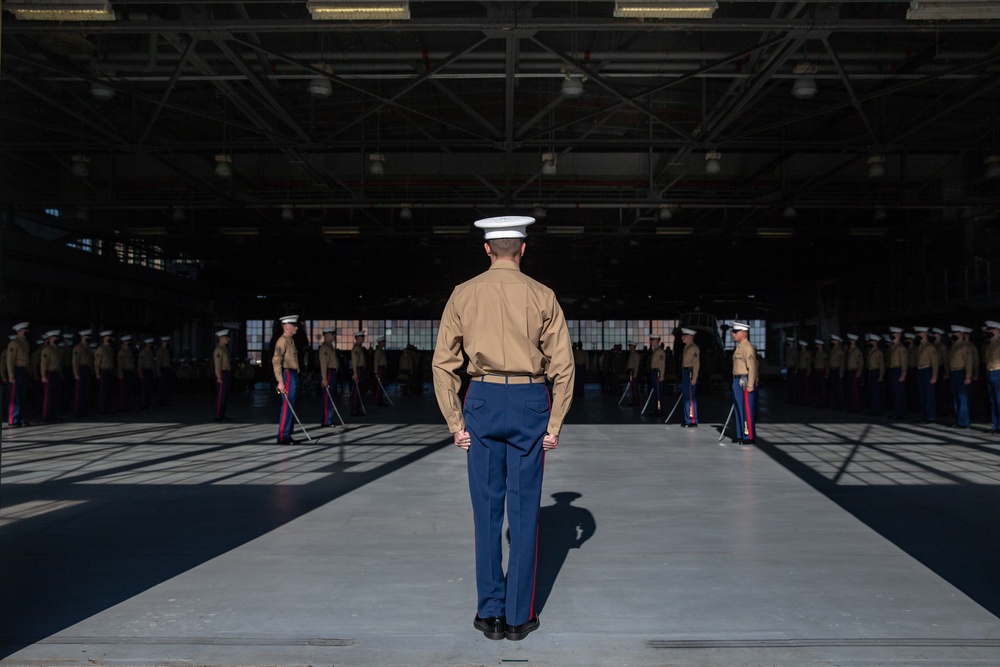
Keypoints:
(147, 359)
(380, 358)
(51, 359)
(898, 358)
(961, 358)
(855, 359)
(927, 356)
(126, 362)
(82, 356)
(18, 354)
(327, 359)
(745, 362)
(876, 362)
(658, 361)
(508, 324)
(162, 358)
(691, 358)
(821, 361)
(104, 359)
(992, 354)
(805, 360)
(359, 359)
(221, 360)
(838, 360)
(286, 357)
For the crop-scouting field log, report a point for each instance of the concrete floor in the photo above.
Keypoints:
(155, 538)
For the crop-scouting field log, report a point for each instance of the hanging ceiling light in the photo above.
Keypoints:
(713, 165)
(678, 9)
(179, 213)
(789, 212)
(879, 215)
(804, 87)
(223, 165)
(287, 214)
(992, 163)
(81, 166)
(60, 10)
(376, 164)
(948, 10)
(665, 212)
(549, 164)
(876, 166)
(572, 85)
(362, 10)
(102, 91)
(538, 212)
(320, 86)
(406, 211)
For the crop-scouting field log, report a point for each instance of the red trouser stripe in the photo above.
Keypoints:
(748, 426)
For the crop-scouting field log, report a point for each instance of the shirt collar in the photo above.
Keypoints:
(507, 264)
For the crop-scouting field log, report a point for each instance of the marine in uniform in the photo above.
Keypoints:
(406, 369)
(912, 352)
(876, 375)
(50, 367)
(164, 372)
(4, 379)
(359, 363)
(690, 367)
(381, 363)
(632, 368)
(285, 363)
(792, 370)
(991, 357)
(508, 420)
(83, 373)
(898, 360)
(821, 372)
(961, 364)
(744, 385)
(657, 371)
(328, 366)
(18, 358)
(855, 367)
(126, 372)
(147, 373)
(927, 376)
(942, 390)
(838, 368)
(223, 374)
(68, 380)
(104, 369)
(803, 373)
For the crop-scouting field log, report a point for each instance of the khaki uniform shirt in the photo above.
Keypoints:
(805, 361)
(18, 354)
(745, 362)
(927, 356)
(912, 354)
(327, 359)
(942, 356)
(855, 359)
(691, 358)
(82, 356)
(221, 360)
(838, 360)
(632, 365)
(821, 361)
(104, 359)
(379, 357)
(126, 362)
(898, 358)
(51, 359)
(162, 359)
(358, 358)
(657, 361)
(791, 357)
(286, 357)
(876, 362)
(508, 324)
(993, 354)
(962, 357)
(147, 360)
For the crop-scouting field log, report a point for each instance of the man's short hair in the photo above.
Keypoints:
(505, 247)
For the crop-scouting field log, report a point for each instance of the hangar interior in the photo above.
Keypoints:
(184, 164)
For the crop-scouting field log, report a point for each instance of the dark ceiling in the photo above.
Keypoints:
(464, 100)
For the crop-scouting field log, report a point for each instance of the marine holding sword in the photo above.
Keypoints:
(286, 369)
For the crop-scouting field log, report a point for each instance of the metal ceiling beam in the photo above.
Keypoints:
(846, 80)
(168, 91)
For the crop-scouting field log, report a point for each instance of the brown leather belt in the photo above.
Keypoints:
(509, 379)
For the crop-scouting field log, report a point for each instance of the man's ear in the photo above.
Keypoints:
(486, 247)
(523, 246)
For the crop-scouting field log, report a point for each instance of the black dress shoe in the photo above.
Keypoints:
(289, 441)
(493, 627)
(516, 633)
(736, 441)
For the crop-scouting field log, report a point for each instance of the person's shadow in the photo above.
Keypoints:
(561, 527)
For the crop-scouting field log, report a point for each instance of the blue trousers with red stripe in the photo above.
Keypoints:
(222, 394)
(690, 397)
(51, 390)
(331, 379)
(81, 393)
(287, 422)
(746, 410)
(506, 424)
(18, 390)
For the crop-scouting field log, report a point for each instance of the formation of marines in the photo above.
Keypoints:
(939, 376)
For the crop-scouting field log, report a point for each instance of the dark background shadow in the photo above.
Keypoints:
(122, 539)
(561, 528)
